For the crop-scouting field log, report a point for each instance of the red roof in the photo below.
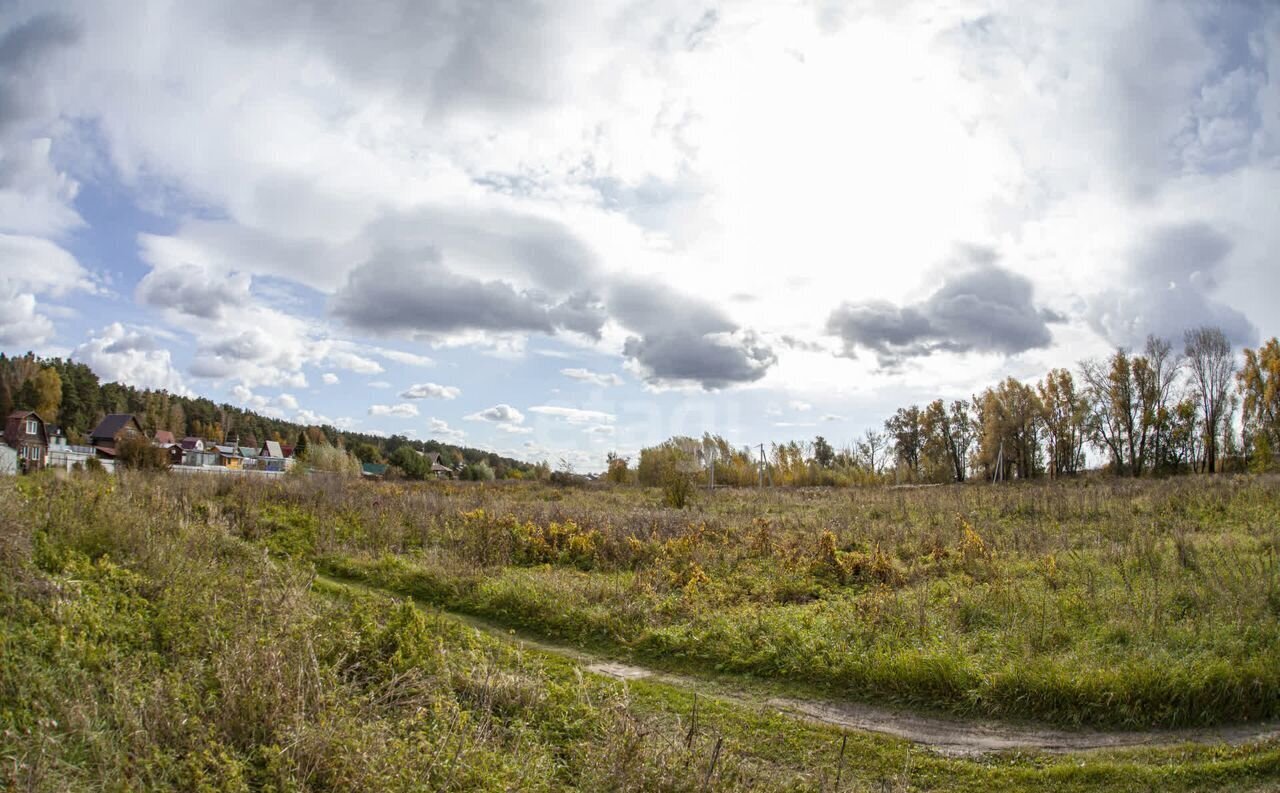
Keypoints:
(163, 436)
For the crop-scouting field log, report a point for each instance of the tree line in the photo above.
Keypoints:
(1161, 410)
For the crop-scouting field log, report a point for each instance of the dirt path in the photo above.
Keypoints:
(952, 737)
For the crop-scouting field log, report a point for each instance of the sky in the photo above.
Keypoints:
(553, 230)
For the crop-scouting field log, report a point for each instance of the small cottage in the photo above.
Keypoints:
(272, 457)
(437, 470)
(113, 429)
(229, 457)
(25, 432)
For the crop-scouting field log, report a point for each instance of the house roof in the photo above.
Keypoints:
(247, 451)
(190, 443)
(373, 469)
(272, 449)
(229, 451)
(113, 423)
(163, 436)
(12, 425)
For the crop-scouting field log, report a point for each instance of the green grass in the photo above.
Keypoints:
(1130, 605)
(166, 633)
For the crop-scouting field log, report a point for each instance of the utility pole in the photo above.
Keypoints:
(762, 466)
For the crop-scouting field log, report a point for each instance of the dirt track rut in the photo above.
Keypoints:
(952, 737)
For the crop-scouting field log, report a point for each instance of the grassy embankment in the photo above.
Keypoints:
(165, 633)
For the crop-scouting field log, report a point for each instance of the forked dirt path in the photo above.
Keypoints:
(953, 737)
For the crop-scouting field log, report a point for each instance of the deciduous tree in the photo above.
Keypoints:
(1212, 367)
(1259, 383)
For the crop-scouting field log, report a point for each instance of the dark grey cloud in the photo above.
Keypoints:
(1168, 287)
(412, 292)
(582, 313)
(24, 50)
(684, 340)
(546, 251)
(676, 338)
(34, 196)
(713, 361)
(193, 291)
(980, 307)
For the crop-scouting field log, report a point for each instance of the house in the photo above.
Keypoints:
(437, 470)
(113, 429)
(164, 438)
(196, 453)
(25, 432)
(176, 455)
(273, 457)
(229, 457)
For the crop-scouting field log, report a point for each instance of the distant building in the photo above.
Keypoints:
(273, 457)
(437, 470)
(229, 457)
(64, 455)
(25, 433)
(176, 455)
(196, 453)
(113, 429)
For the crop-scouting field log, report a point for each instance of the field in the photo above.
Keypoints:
(200, 634)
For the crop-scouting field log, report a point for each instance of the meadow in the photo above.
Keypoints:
(1105, 603)
(165, 632)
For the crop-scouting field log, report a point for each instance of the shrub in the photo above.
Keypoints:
(331, 459)
(673, 467)
(618, 472)
(138, 453)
